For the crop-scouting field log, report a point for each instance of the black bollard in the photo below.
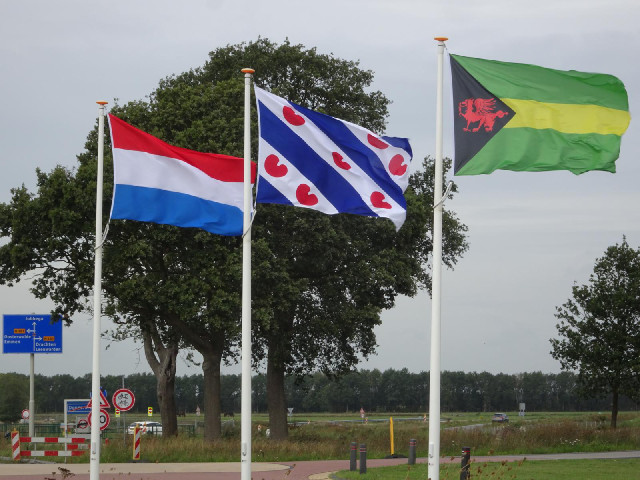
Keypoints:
(352, 460)
(412, 451)
(465, 465)
(363, 458)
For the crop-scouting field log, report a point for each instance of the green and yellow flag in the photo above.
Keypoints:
(513, 116)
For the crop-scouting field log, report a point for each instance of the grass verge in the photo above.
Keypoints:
(322, 438)
(619, 469)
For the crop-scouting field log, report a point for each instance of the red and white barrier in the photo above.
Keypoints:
(72, 446)
(137, 434)
(15, 444)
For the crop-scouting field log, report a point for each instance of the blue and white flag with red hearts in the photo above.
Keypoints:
(309, 159)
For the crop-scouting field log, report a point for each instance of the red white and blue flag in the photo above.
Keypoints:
(157, 182)
(309, 159)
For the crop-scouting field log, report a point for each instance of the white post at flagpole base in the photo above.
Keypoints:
(433, 471)
(245, 402)
(94, 467)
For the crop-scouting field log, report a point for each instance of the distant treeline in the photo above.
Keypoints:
(373, 390)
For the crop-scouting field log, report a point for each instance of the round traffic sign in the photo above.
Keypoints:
(123, 399)
(25, 414)
(82, 426)
(104, 419)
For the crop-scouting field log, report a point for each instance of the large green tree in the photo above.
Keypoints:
(319, 282)
(600, 328)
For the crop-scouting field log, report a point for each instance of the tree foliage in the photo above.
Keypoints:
(600, 328)
(14, 396)
(374, 390)
(319, 282)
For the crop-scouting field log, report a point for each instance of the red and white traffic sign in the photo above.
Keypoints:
(123, 399)
(104, 403)
(104, 419)
(83, 426)
(25, 414)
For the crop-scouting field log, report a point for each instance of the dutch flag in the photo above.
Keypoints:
(157, 182)
(312, 160)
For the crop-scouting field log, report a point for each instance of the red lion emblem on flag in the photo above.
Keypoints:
(480, 110)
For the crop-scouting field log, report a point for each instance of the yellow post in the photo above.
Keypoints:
(391, 429)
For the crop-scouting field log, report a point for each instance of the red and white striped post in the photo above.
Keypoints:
(136, 442)
(15, 444)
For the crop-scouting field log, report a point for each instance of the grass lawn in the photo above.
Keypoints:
(623, 469)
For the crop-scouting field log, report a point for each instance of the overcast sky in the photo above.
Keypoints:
(531, 235)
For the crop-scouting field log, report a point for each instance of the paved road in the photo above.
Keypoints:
(309, 470)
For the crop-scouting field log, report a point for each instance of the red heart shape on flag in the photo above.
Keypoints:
(304, 197)
(376, 142)
(377, 200)
(337, 159)
(292, 117)
(396, 166)
(273, 168)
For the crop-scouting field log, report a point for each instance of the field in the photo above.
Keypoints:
(328, 436)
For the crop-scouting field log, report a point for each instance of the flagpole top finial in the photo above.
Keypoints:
(248, 70)
(102, 102)
(441, 39)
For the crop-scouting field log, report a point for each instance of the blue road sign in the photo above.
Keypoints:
(31, 334)
(77, 407)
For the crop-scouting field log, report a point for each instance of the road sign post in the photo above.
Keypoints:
(31, 334)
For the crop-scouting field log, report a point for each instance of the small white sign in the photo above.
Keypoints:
(25, 414)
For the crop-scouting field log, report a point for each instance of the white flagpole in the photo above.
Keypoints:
(434, 367)
(245, 410)
(94, 467)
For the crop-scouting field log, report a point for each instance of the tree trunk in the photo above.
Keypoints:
(614, 408)
(211, 346)
(276, 398)
(212, 409)
(164, 368)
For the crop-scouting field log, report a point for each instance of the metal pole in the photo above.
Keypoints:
(465, 473)
(94, 467)
(434, 368)
(124, 423)
(412, 452)
(32, 389)
(353, 457)
(393, 445)
(245, 413)
(363, 458)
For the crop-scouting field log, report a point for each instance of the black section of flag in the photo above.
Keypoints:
(477, 115)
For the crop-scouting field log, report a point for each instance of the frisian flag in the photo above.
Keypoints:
(157, 182)
(311, 160)
(520, 117)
